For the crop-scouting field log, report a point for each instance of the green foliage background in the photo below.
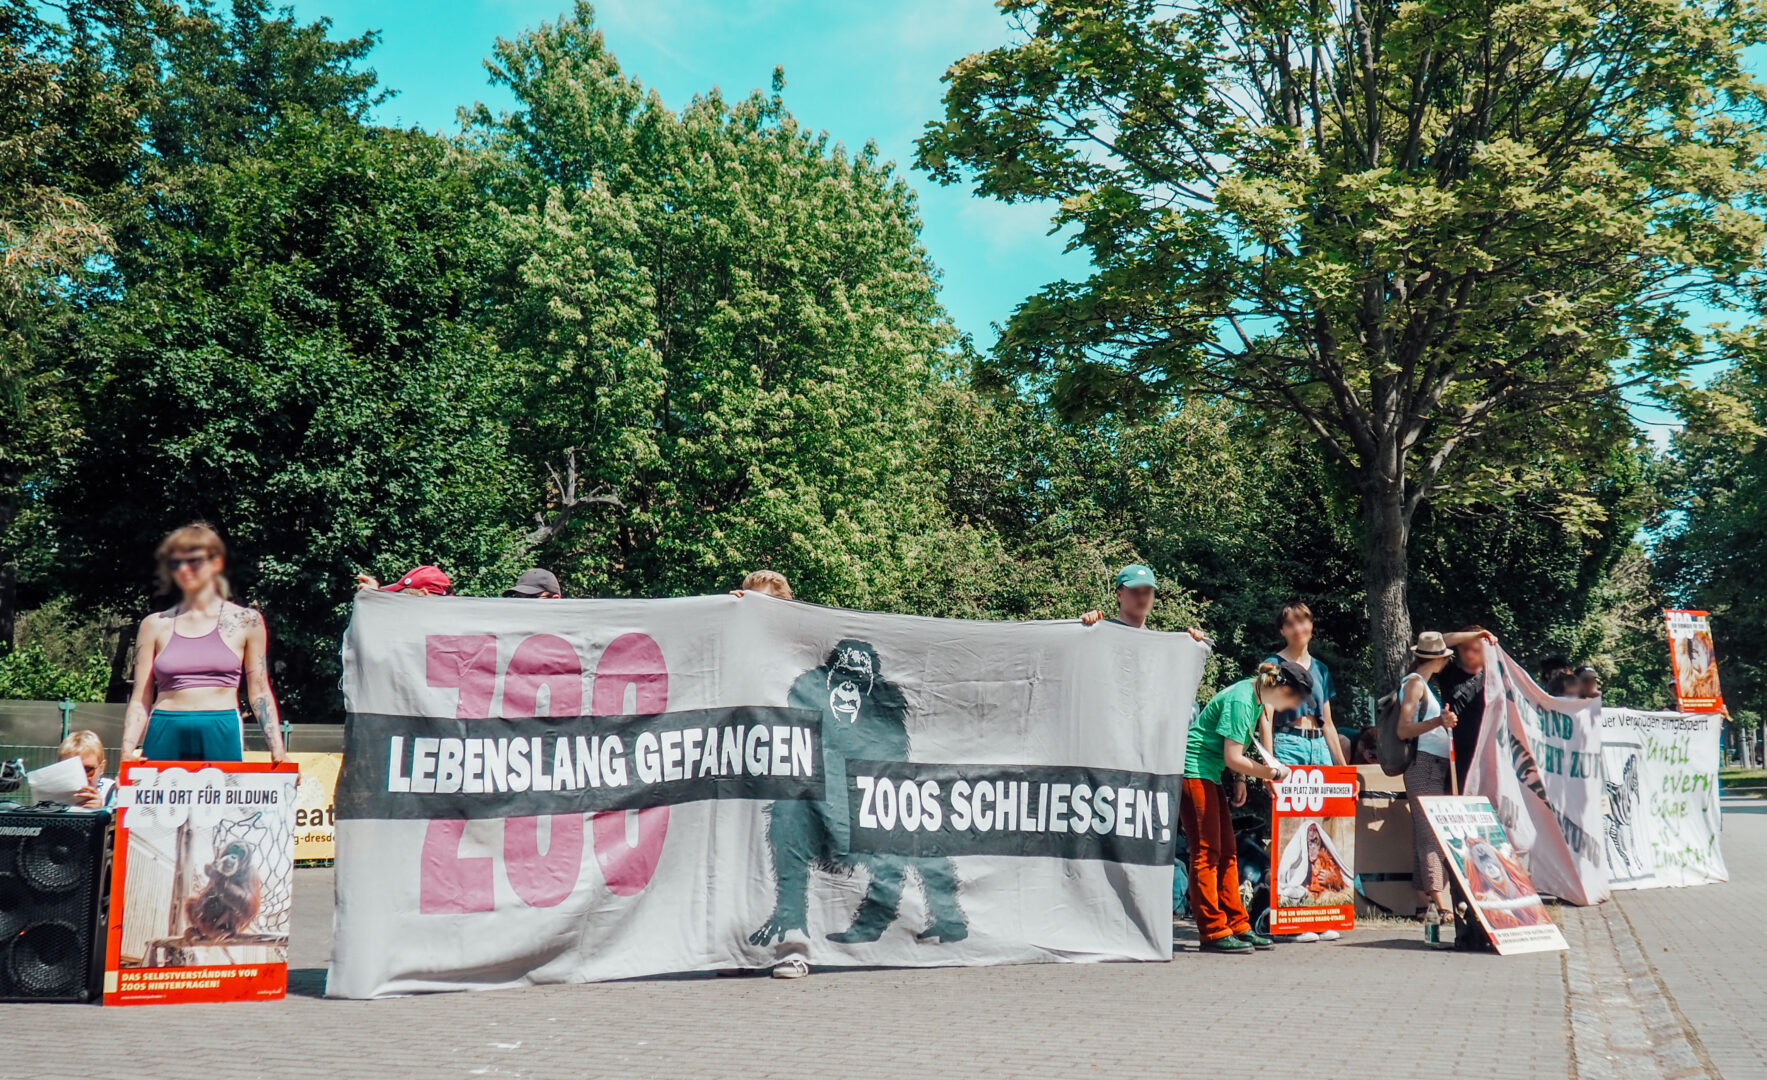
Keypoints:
(352, 347)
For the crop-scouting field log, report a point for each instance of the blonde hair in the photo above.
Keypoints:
(1267, 675)
(771, 582)
(80, 743)
(196, 536)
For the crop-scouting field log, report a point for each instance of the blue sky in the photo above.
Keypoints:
(857, 70)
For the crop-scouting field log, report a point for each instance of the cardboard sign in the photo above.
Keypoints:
(1490, 873)
(202, 882)
(1695, 662)
(315, 805)
(1313, 850)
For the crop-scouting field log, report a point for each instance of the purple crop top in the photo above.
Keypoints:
(189, 662)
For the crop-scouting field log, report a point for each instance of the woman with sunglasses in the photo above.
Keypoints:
(189, 660)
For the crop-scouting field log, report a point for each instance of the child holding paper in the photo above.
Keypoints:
(1215, 759)
(100, 789)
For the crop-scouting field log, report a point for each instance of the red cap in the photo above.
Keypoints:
(428, 578)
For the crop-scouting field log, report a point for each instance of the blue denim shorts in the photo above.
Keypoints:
(1295, 749)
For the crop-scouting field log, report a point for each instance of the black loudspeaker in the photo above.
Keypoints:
(54, 900)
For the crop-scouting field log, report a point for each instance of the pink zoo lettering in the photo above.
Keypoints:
(630, 660)
(450, 884)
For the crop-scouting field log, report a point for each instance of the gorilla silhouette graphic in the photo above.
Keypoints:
(862, 717)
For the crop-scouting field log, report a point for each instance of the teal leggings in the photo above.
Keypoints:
(193, 735)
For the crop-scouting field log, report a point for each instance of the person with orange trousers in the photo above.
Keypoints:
(1215, 767)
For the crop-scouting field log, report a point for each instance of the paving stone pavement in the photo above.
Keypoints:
(1375, 1003)
(1709, 946)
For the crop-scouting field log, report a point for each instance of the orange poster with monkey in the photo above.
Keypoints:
(202, 883)
(1313, 850)
(1694, 661)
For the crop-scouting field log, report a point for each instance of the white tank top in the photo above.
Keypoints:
(1436, 740)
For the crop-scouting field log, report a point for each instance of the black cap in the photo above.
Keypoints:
(536, 582)
(1291, 674)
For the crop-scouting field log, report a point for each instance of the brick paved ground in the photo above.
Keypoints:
(1199, 1016)
(1709, 946)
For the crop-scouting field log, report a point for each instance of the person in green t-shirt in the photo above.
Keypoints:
(1216, 752)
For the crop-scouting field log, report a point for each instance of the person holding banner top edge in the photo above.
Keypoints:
(191, 680)
(1215, 761)
(1462, 686)
(1136, 590)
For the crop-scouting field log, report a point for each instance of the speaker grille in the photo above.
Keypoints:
(53, 870)
(57, 860)
(47, 960)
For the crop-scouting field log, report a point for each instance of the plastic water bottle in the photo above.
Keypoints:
(1432, 927)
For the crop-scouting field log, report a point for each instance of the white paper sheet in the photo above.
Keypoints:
(58, 782)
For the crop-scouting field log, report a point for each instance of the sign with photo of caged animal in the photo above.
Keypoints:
(202, 883)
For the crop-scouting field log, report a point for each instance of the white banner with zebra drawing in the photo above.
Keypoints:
(1660, 775)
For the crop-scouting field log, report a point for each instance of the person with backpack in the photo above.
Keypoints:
(1422, 720)
(1215, 761)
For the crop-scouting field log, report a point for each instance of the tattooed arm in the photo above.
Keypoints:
(257, 682)
(141, 695)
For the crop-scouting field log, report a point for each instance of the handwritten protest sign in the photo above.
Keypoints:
(1663, 819)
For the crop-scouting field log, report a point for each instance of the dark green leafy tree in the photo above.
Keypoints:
(726, 322)
(66, 140)
(1441, 237)
(1714, 546)
(302, 367)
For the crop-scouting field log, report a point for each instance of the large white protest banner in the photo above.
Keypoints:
(1539, 762)
(1660, 771)
(597, 789)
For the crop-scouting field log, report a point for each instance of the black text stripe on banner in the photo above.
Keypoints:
(402, 767)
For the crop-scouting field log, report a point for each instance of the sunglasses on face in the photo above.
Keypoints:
(192, 561)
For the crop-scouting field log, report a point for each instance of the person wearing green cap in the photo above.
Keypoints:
(1135, 595)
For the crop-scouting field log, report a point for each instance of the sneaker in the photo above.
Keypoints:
(793, 968)
(1329, 935)
(1256, 940)
(1307, 938)
(1228, 944)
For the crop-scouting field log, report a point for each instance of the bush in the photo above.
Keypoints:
(28, 673)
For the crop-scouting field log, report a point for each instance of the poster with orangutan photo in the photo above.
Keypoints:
(202, 883)
(1490, 873)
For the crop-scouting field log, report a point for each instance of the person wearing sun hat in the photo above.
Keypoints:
(1422, 717)
(1136, 590)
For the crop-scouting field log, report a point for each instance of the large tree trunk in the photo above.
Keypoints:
(1385, 538)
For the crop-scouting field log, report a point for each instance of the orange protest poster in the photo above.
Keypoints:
(1694, 660)
(202, 882)
(1313, 850)
(1490, 873)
